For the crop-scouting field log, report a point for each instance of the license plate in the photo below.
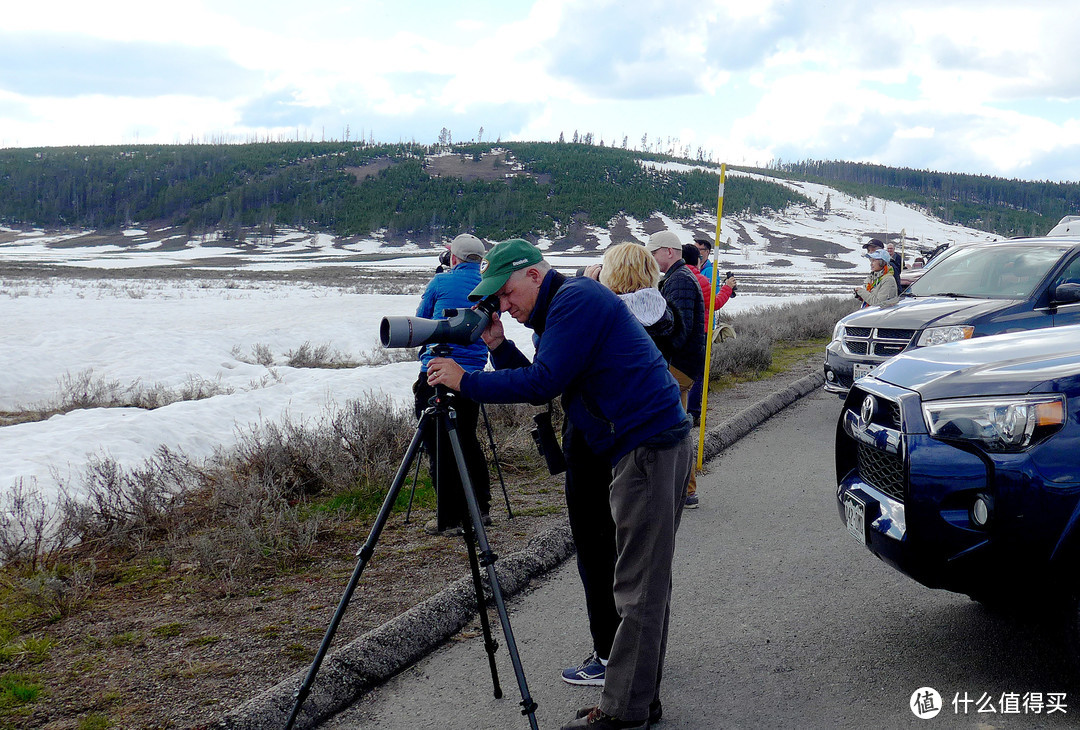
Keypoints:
(861, 369)
(855, 517)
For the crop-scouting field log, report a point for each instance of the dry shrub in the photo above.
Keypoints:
(58, 591)
(298, 461)
(126, 508)
(386, 356)
(260, 355)
(246, 506)
(30, 531)
(375, 433)
(793, 321)
(759, 329)
(258, 494)
(307, 356)
(85, 391)
(742, 355)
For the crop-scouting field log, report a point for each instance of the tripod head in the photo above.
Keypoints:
(442, 401)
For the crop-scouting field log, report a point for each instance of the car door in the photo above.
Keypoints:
(1067, 313)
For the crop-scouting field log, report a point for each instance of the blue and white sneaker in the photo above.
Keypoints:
(590, 673)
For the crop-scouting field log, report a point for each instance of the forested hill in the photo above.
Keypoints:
(355, 189)
(999, 205)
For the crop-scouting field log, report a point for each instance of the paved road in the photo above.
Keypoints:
(780, 620)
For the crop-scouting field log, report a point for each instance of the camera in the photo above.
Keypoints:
(543, 434)
(727, 276)
(444, 258)
(461, 327)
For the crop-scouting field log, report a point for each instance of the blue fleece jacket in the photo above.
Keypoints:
(450, 290)
(615, 384)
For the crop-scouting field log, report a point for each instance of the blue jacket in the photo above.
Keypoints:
(706, 270)
(450, 290)
(616, 386)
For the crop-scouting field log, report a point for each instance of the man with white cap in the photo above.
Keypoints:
(681, 290)
(450, 290)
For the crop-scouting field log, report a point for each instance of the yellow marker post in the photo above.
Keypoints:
(709, 323)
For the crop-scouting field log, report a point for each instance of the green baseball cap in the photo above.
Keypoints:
(500, 262)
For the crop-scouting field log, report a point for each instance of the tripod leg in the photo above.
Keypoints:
(412, 492)
(495, 455)
(364, 555)
(487, 559)
(490, 645)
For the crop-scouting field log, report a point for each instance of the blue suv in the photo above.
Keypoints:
(968, 291)
(959, 464)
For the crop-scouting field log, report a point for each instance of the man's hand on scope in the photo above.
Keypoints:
(444, 371)
(493, 334)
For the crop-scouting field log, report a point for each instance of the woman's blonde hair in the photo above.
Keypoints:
(629, 267)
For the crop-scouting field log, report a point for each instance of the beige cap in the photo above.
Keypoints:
(663, 239)
(468, 247)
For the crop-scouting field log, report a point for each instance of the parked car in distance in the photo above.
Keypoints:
(909, 275)
(969, 291)
(1067, 226)
(957, 465)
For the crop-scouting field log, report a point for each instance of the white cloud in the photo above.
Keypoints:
(928, 82)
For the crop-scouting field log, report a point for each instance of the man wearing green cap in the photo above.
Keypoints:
(616, 389)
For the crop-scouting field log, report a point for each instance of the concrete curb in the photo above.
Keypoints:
(380, 653)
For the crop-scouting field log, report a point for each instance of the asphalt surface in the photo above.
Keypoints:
(780, 620)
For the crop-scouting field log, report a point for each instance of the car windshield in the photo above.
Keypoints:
(992, 272)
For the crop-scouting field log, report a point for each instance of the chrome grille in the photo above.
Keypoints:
(882, 470)
(894, 415)
(880, 342)
(888, 349)
(885, 333)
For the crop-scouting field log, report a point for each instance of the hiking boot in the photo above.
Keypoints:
(691, 501)
(431, 527)
(590, 673)
(656, 712)
(596, 719)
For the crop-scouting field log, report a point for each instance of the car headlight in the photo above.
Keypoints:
(837, 331)
(941, 335)
(1009, 423)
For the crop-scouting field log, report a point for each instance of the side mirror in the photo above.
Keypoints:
(1066, 293)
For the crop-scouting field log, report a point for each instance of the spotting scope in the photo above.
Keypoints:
(461, 327)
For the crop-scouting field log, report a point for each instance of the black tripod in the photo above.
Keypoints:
(442, 411)
(494, 456)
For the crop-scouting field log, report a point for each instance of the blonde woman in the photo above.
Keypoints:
(632, 272)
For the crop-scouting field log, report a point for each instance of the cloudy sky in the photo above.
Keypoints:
(982, 86)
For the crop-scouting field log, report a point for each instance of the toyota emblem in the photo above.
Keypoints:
(866, 413)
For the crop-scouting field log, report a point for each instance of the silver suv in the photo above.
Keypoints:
(968, 291)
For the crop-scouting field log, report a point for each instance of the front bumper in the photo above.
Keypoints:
(908, 498)
(840, 367)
